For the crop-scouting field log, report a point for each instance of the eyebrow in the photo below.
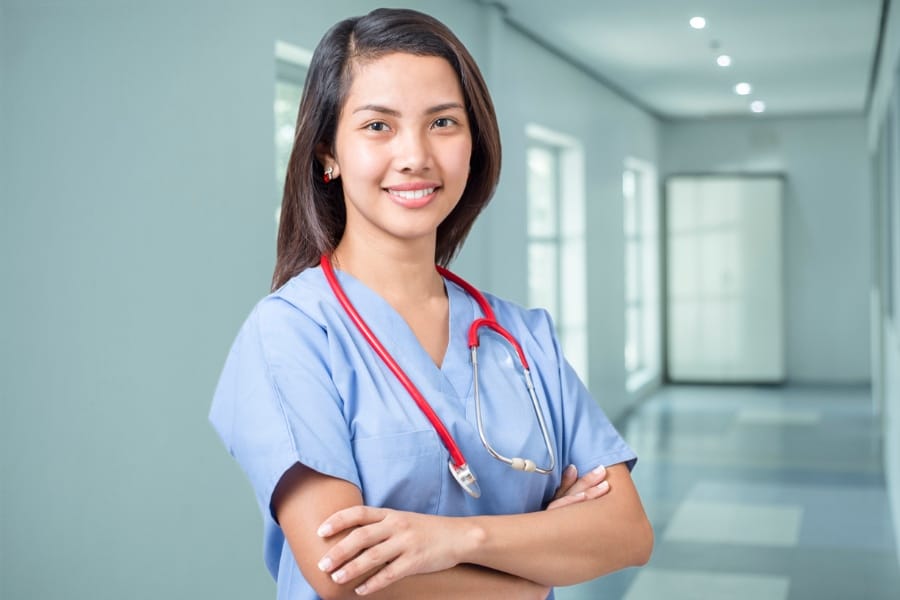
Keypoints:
(395, 113)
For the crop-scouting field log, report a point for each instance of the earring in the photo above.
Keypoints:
(327, 176)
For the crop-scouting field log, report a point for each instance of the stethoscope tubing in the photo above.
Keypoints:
(456, 455)
(458, 466)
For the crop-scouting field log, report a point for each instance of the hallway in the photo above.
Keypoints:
(759, 493)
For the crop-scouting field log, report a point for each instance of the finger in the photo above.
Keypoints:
(355, 516)
(370, 560)
(589, 480)
(569, 477)
(567, 500)
(391, 573)
(598, 490)
(359, 540)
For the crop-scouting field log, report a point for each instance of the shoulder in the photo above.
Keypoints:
(537, 319)
(304, 298)
(533, 327)
(295, 312)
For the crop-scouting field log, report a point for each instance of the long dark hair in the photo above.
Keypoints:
(313, 215)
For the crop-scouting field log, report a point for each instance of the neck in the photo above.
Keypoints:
(399, 274)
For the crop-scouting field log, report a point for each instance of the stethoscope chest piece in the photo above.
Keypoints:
(466, 479)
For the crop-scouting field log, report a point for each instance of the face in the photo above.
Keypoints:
(402, 148)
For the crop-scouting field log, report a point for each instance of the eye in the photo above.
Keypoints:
(443, 122)
(377, 126)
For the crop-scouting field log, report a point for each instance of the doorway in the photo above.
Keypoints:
(724, 287)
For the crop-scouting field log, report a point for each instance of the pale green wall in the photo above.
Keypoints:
(136, 154)
(137, 196)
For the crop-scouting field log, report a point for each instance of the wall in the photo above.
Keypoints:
(827, 226)
(136, 155)
(533, 86)
(137, 167)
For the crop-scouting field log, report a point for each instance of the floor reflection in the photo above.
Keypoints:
(759, 492)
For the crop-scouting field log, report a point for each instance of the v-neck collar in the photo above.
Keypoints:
(401, 342)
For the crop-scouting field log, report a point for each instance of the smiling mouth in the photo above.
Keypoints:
(412, 194)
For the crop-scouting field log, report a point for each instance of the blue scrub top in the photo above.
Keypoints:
(301, 384)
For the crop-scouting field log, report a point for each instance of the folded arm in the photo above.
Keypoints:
(304, 499)
(575, 543)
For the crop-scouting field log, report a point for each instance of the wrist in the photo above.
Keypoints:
(472, 539)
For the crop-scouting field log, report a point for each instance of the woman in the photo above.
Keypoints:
(396, 153)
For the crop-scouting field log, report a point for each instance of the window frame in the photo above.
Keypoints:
(569, 282)
(642, 243)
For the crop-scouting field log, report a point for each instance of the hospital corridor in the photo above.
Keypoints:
(759, 492)
(697, 208)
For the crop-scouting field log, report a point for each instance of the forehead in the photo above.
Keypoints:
(399, 78)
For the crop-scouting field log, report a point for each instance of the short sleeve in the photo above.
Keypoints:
(276, 404)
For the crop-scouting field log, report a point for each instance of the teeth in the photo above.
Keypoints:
(413, 194)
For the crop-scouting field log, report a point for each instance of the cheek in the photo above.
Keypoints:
(457, 161)
(361, 166)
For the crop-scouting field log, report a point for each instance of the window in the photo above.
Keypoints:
(556, 246)
(642, 298)
(291, 64)
(892, 210)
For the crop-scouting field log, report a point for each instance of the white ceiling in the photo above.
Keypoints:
(800, 56)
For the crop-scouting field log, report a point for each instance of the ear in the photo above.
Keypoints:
(326, 158)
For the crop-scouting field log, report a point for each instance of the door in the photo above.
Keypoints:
(724, 279)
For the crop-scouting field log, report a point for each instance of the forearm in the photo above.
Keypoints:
(302, 501)
(565, 545)
(462, 582)
(568, 545)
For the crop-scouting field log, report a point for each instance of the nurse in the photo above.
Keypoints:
(396, 153)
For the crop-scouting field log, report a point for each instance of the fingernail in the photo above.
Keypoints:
(361, 589)
(602, 485)
(324, 530)
(579, 495)
(339, 576)
(570, 469)
(325, 564)
(599, 470)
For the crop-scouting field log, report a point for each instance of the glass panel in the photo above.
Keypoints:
(542, 192)
(630, 199)
(287, 101)
(571, 193)
(632, 270)
(641, 215)
(543, 277)
(574, 284)
(632, 339)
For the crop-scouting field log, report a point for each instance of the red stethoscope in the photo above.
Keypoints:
(458, 466)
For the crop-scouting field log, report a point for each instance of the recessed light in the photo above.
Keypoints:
(698, 22)
(758, 106)
(742, 89)
(723, 60)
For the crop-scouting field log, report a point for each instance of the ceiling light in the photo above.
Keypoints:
(742, 89)
(723, 60)
(698, 22)
(758, 106)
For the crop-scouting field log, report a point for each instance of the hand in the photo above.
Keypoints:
(387, 545)
(573, 490)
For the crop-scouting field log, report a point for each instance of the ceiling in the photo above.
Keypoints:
(800, 56)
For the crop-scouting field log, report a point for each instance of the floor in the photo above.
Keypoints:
(772, 493)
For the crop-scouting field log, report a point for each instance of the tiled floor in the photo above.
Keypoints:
(764, 493)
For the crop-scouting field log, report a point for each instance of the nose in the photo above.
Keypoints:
(412, 152)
